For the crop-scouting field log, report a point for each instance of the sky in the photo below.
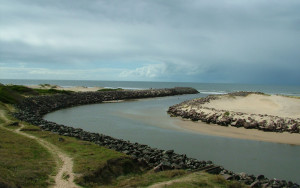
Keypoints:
(210, 41)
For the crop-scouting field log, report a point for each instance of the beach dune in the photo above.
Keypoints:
(72, 88)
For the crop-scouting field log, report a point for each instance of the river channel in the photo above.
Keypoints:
(146, 122)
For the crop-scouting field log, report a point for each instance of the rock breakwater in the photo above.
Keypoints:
(196, 110)
(32, 110)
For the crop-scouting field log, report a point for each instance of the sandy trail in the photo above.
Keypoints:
(65, 175)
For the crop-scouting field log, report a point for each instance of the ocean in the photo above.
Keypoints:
(205, 88)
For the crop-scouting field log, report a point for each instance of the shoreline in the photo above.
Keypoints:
(247, 112)
(32, 110)
(242, 115)
(238, 133)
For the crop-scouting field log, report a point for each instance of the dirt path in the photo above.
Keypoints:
(65, 175)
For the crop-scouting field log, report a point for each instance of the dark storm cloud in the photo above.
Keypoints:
(202, 41)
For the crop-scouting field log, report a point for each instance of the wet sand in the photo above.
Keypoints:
(241, 133)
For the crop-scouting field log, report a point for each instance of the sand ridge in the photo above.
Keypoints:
(73, 88)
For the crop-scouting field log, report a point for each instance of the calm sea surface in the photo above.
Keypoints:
(204, 88)
(146, 121)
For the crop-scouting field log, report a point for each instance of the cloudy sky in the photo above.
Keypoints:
(232, 41)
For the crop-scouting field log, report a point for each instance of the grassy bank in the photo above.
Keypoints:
(15, 93)
(23, 162)
(94, 165)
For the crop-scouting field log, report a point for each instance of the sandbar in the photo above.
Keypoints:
(240, 133)
(256, 106)
(275, 105)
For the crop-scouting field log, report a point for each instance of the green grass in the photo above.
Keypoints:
(66, 176)
(7, 95)
(26, 91)
(87, 155)
(96, 165)
(23, 162)
(227, 113)
(148, 178)
(48, 85)
(294, 97)
(23, 90)
(176, 178)
(101, 167)
(13, 94)
(52, 91)
(44, 85)
(201, 179)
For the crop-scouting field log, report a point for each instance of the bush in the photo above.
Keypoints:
(7, 95)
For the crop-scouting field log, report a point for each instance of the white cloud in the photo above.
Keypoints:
(167, 69)
(173, 40)
(47, 73)
(148, 71)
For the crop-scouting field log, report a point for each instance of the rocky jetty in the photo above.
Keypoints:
(32, 110)
(195, 111)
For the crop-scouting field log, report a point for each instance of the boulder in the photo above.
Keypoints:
(255, 184)
(168, 152)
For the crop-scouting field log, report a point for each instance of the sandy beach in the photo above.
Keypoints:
(254, 107)
(241, 133)
(75, 88)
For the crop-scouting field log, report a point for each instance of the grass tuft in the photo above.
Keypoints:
(227, 113)
(201, 179)
(52, 91)
(7, 95)
(149, 178)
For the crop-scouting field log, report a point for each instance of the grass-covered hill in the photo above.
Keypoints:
(15, 93)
